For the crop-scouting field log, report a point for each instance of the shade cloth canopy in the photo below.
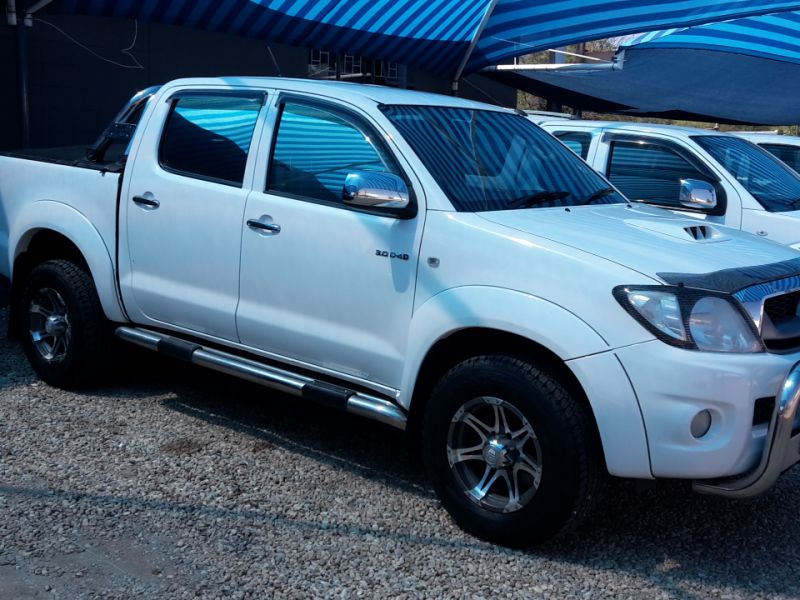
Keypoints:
(447, 37)
(739, 71)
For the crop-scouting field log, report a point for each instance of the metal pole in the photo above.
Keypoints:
(22, 82)
(555, 105)
(473, 42)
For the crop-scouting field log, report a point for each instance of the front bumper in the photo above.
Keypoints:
(673, 386)
(781, 448)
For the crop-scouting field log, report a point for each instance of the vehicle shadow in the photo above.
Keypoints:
(366, 448)
(665, 534)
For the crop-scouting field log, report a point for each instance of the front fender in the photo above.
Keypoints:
(614, 404)
(531, 317)
(73, 225)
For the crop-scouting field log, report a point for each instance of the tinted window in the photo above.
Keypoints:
(209, 137)
(771, 182)
(788, 154)
(488, 160)
(576, 141)
(316, 148)
(650, 172)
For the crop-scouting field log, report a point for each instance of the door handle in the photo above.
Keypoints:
(148, 203)
(267, 227)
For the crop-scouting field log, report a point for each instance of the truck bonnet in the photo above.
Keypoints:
(651, 241)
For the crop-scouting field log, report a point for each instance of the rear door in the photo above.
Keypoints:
(330, 285)
(184, 207)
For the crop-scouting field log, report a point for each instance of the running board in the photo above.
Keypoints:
(325, 393)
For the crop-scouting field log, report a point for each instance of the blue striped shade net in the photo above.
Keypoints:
(738, 71)
(437, 35)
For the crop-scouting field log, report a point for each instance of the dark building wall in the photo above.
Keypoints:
(9, 107)
(74, 93)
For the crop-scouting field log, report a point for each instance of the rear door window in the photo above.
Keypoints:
(208, 137)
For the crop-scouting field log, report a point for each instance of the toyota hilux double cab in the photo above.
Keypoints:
(440, 265)
(713, 176)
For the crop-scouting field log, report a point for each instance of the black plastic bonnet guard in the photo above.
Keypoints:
(732, 280)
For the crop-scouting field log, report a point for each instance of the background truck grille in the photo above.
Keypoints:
(782, 308)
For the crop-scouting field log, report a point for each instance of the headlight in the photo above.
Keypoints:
(690, 318)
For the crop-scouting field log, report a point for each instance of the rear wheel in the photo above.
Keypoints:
(510, 451)
(62, 326)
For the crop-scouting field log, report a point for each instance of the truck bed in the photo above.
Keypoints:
(72, 156)
(41, 177)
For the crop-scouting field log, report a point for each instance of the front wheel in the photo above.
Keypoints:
(510, 451)
(62, 326)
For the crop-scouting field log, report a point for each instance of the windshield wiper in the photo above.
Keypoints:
(537, 198)
(601, 193)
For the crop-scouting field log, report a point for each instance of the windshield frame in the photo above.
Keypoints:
(415, 126)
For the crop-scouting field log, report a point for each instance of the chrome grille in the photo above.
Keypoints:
(773, 306)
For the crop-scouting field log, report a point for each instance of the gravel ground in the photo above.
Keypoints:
(178, 483)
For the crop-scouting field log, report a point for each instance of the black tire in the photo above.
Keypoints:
(562, 446)
(81, 355)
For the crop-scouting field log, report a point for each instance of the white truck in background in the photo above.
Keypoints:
(713, 176)
(440, 265)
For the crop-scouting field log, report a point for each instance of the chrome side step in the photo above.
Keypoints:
(282, 380)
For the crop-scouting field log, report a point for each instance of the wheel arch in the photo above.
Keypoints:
(458, 346)
(51, 230)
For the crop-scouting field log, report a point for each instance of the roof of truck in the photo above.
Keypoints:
(342, 90)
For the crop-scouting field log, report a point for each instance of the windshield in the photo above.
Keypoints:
(486, 160)
(772, 183)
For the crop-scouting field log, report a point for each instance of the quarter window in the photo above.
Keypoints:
(650, 172)
(316, 148)
(208, 137)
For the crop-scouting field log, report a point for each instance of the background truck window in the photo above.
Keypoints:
(650, 172)
(788, 154)
(576, 141)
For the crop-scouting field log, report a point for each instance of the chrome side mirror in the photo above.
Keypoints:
(697, 194)
(374, 189)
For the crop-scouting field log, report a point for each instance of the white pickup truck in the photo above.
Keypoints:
(713, 176)
(440, 265)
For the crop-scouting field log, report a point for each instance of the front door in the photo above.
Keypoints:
(651, 169)
(327, 284)
(184, 213)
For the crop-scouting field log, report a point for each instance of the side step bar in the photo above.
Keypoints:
(325, 393)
